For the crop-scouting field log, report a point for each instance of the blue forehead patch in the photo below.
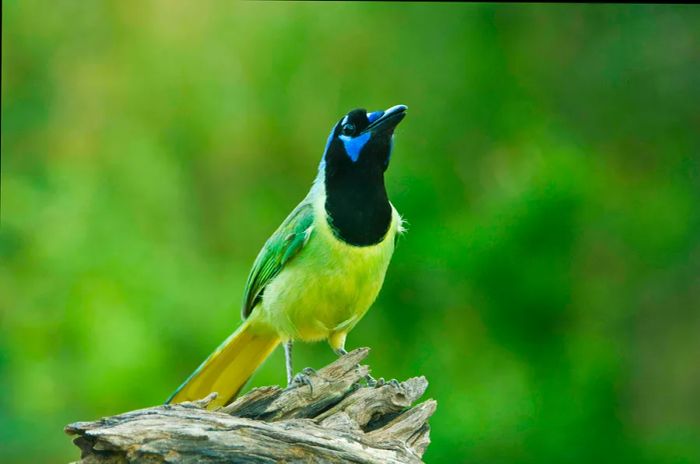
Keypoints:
(374, 116)
(353, 146)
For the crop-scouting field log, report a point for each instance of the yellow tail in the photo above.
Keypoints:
(228, 368)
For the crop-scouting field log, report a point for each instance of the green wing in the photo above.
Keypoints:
(279, 249)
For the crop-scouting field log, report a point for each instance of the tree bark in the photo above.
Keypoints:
(332, 418)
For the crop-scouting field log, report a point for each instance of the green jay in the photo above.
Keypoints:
(322, 269)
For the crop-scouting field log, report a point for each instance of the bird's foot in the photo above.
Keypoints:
(341, 352)
(394, 383)
(371, 381)
(303, 378)
(380, 382)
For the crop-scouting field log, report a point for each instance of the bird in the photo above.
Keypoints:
(322, 269)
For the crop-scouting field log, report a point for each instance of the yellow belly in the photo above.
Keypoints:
(326, 289)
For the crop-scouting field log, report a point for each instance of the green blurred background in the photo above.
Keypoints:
(549, 285)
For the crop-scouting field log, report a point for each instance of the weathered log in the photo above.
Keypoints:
(333, 418)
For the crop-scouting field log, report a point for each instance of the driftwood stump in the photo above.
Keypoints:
(334, 419)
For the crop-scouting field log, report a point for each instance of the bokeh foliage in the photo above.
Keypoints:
(548, 169)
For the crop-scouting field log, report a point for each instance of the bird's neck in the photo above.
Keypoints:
(357, 206)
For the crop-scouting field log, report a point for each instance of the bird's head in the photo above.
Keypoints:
(362, 140)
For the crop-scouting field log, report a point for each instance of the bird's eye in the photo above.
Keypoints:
(348, 128)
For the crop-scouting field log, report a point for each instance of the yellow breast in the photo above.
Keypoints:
(329, 286)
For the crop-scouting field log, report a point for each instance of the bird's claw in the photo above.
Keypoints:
(394, 383)
(380, 382)
(303, 378)
(371, 381)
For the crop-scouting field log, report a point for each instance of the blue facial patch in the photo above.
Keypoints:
(353, 146)
(374, 116)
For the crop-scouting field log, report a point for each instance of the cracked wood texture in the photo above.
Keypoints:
(332, 419)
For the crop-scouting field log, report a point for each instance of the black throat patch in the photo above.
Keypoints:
(357, 205)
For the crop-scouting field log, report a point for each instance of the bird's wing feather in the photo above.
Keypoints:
(280, 248)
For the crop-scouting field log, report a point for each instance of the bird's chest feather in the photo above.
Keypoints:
(330, 285)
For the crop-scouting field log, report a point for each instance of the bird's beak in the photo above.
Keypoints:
(388, 121)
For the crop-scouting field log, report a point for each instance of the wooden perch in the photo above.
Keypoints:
(334, 419)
